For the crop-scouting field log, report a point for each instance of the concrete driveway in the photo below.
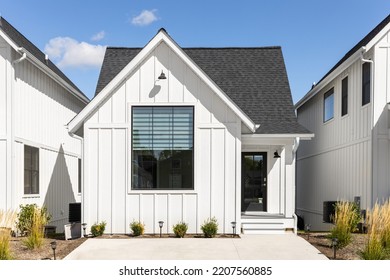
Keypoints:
(248, 247)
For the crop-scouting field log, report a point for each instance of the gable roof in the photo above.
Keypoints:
(254, 79)
(355, 50)
(20, 41)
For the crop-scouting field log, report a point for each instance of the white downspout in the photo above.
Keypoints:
(295, 148)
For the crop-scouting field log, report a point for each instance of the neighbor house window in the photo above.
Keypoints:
(366, 83)
(328, 105)
(162, 148)
(344, 96)
(31, 170)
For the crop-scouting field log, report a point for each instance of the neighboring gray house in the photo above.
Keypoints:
(184, 134)
(348, 111)
(39, 160)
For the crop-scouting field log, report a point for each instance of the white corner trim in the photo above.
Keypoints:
(119, 78)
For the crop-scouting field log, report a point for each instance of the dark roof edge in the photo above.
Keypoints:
(371, 35)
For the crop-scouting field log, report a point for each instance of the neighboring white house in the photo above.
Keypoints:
(348, 111)
(39, 160)
(184, 134)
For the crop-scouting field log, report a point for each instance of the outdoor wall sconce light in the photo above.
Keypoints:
(162, 76)
(335, 241)
(276, 154)
(234, 228)
(54, 247)
(308, 231)
(84, 229)
(160, 224)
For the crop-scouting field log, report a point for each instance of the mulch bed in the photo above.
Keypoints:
(324, 245)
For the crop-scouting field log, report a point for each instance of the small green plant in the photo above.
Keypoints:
(346, 219)
(35, 231)
(137, 228)
(5, 253)
(180, 229)
(97, 229)
(25, 217)
(210, 227)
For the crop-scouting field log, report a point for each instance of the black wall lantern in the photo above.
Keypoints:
(276, 154)
(162, 76)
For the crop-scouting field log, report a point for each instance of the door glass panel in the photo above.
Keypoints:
(254, 184)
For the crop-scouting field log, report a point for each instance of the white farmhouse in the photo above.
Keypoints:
(185, 134)
(348, 111)
(39, 160)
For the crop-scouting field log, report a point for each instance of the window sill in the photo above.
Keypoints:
(328, 121)
(154, 191)
(29, 196)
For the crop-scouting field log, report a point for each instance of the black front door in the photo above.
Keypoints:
(254, 182)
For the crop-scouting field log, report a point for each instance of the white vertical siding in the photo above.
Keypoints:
(108, 142)
(336, 164)
(3, 88)
(3, 174)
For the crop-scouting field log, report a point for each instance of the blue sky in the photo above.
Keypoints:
(314, 35)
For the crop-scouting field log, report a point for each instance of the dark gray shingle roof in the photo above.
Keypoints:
(254, 78)
(23, 42)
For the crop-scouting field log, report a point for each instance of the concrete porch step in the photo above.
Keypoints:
(266, 225)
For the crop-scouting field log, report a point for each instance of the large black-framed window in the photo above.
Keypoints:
(328, 105)
(31, 170)
(162, 147)
(344, 96)
(366, 83)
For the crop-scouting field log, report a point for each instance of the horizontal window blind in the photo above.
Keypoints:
(162, 128)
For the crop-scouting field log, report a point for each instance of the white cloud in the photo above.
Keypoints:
(146, 17)
(68, 52)
(99, 36)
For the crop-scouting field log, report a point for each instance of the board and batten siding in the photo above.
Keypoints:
(381, 132)
(336, 163)
(108, 195)
(38, 115)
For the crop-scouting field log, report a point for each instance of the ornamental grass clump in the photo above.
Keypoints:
(26, 215)
(180, 229)
(7, 221)
(345, 220)
(36, 228)
(210, 227)
(378, 239)
(137, 228)
(97, 229)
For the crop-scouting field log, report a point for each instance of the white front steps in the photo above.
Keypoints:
(266, 224)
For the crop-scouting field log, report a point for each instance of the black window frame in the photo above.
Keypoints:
(328, 94)
(79, 167)
(344, 96)
(174, 165)
(30, 170)
(366, 83)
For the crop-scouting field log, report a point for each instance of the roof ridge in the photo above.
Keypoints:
(208, 48)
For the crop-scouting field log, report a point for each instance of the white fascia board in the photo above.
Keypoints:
(279, 136)
(329, 78)
(54, 76)
(378, 37)
(119, 78)
(44, 68)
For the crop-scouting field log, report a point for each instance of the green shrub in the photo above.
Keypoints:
(36, 230)
(25, 217)
(180, 229)
(5, 253)
(346, 219)
(210, 227)
(97, 229)
(137, 228)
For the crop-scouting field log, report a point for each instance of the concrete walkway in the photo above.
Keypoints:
(248, 247)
